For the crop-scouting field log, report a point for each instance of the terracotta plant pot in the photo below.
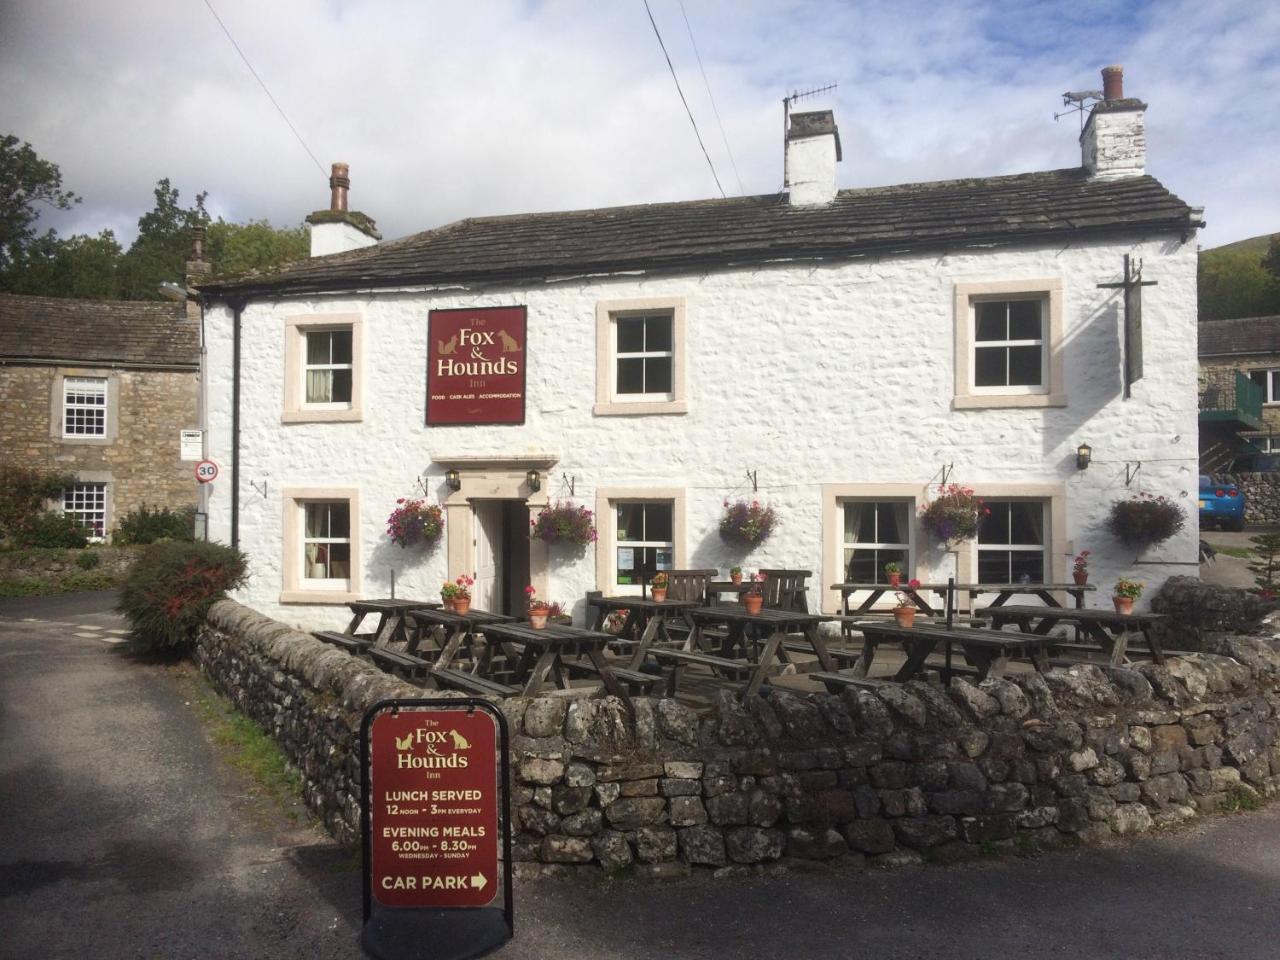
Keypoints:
(895, 579)
(1080, 578)
(461, 604)
(906, 616)
(658, 593)
(753, 604)
(538, 620)
(735, 577)
(1123, 604)
(447, 602)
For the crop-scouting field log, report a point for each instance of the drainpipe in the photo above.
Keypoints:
(236, 308)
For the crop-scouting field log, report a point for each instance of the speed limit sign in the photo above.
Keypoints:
(206, 471)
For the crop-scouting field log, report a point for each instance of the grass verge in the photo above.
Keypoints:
(1241, 553)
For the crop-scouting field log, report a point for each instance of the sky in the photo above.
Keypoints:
(452, 109)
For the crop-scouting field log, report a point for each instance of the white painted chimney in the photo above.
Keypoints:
(338, 229)
(813, 150)
(1113, 144)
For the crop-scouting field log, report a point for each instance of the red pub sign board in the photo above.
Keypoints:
(433, 808)
(476, 366)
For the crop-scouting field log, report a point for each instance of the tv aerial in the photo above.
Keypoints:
(1078, 101)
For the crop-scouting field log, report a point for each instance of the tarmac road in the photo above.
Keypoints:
(124, 834)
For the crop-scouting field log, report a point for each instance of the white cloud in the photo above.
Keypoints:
(453, 110)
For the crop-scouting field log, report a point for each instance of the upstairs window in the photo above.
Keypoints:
(640, 357)
(328, 368)
(1269, 381)
(644, 358)
(84, 407)
(1009, 346)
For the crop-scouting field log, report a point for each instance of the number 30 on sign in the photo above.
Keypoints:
(206, 471)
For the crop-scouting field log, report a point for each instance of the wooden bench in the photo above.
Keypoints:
(344, 640)
(636, 681)
(843, 657)
(835, 681)
(461, 680)
(738, 669)
(394, 661)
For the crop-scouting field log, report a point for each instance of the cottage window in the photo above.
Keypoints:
(323, 363)
(1269, 381)
(645, 540)
(84, 407)
(326, 543)
(329, 367)
(640, 357)
(321, 537)
(1011, 542)
(876, 533)
(1009, 344)
(87, 504)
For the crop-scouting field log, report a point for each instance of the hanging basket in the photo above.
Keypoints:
(413, 521)
(953, 516)
(746, 524)
(1144, 520)
(564, 523)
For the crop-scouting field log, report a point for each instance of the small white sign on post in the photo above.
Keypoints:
(191, 443)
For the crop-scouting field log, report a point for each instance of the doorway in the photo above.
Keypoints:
(501, 542)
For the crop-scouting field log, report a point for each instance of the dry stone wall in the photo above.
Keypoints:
(1261, 495)
(904, 772)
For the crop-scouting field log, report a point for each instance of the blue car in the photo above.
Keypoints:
(1221, 503)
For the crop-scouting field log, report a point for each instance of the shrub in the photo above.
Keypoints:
(89, 561)
(145, 525)
(565, 523)
(1144, 520)
(171, 587)
(23, 494)
(747, 524)
(51, 529)
(953, 515)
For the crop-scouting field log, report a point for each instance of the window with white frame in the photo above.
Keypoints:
(326, 544)
(1269, 381)
(87, 503)
(645, 540)
(1009, 337)
(84, 406)
(644, 357)
(876, 532)
(329, 368)
(1012, 545)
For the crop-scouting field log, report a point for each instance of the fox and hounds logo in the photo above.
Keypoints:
(450, 740)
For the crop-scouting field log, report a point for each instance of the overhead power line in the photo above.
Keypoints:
(672, 68)
(707, 84)
(280, 109)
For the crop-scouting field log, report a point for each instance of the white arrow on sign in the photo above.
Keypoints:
(478, 881)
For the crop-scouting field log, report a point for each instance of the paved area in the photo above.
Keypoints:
(123, 834)
(1231, 571)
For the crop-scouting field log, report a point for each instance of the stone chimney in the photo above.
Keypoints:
(812, 152)
(338, 229)
(1113, 143)
(196, 268)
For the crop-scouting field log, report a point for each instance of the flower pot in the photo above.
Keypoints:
(658, 593)
(318, 572)
(1123, 604)
(895, 579)
(735, 577)
(538, 621)
(461, 605)
(447, 604)
(1080, 577)
(753, 604)
(906, 616)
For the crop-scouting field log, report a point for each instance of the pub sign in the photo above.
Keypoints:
(476, 366)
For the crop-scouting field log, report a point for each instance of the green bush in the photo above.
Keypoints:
(145, 525)
(51, 529)
(171, 587)
(89, 561)
(23, 494)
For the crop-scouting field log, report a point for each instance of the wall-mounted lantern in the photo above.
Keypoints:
(1084, 454)
(533, 480)
(453, 480)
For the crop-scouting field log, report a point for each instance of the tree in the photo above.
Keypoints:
(256, 245)
(1267, 567)
(159, 253)
(81, 266)
(26, 183)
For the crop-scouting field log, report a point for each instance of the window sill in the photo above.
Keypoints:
(999, 401)
(321, 416)
(664, 407)
(87, 440)
(317, 596)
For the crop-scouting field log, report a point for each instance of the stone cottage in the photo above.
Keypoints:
(101, 389)
(834, 353)
(1239, 394)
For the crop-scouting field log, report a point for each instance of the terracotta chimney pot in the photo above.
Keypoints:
(339, 183)
(1113, 83)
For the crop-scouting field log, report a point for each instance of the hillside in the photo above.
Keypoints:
(1233, 282)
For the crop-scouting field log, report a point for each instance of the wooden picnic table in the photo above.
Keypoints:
(451, 631)
(391, 626)
(877, 590)
(542, 653)
(744, 634)
(986, 651)
(647, 621)
(1112, 630)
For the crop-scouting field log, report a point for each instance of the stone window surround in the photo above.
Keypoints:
(609, 310)
(966, 397)
(1059, 549)
(292, 590)
(113, 406)
(99, 476)
(607, 533)
(295, 328)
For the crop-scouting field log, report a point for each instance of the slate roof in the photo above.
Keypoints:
(1247, 335)
(739, 230)
(102, 332)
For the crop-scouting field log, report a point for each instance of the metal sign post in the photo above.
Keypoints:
(435, 804)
